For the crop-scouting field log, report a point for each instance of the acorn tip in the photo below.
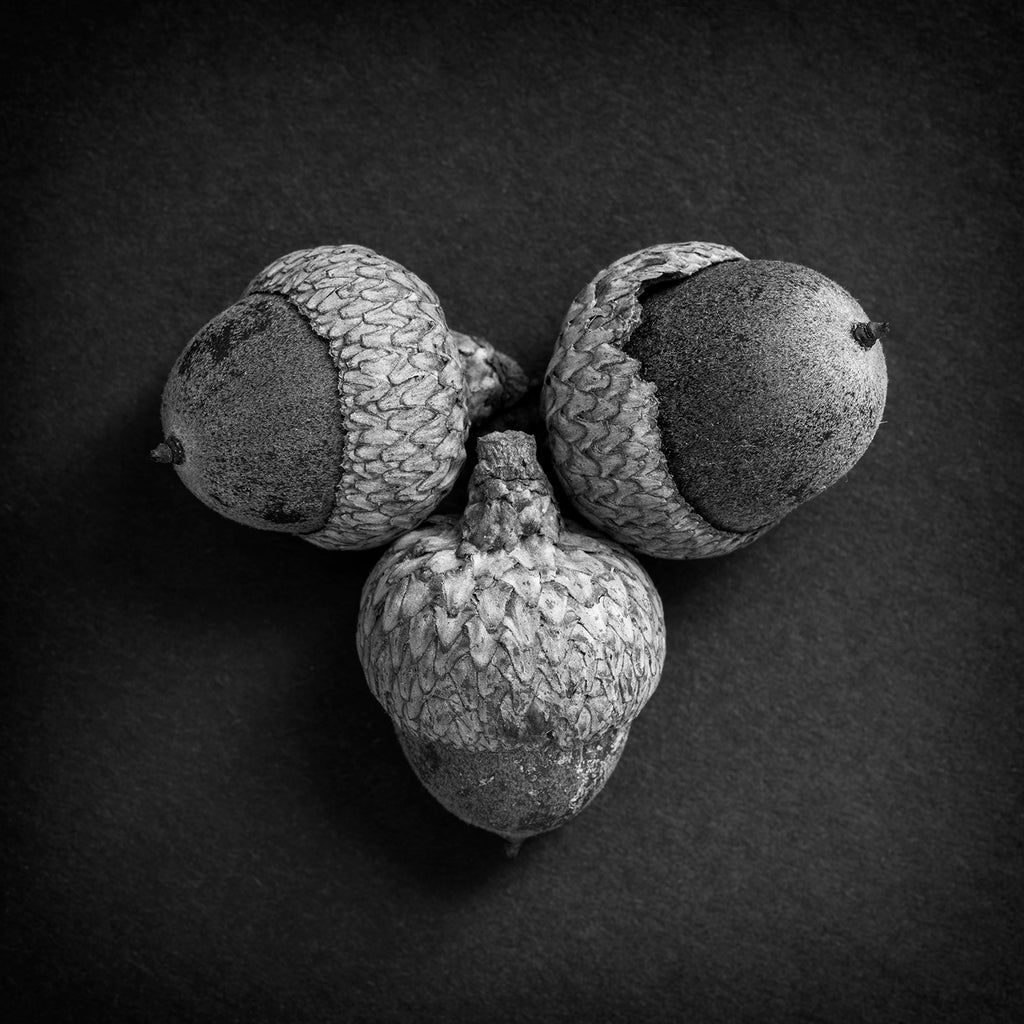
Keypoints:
(866, 334)
(168, 451)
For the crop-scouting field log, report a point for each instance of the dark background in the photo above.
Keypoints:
(819, 815)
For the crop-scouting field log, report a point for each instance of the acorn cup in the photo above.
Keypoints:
(511, 651)
(695, 398)
(331, 401)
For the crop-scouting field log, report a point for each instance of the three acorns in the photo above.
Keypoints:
(694, 398)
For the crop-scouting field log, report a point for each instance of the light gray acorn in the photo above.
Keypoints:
(512, 651)
(695, 397)
(332, 401)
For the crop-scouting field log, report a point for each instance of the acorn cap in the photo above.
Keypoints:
(400, 387)
(602, 415)
(518, 623)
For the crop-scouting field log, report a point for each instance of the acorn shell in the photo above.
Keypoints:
(401, 387)
(602, 416)
(504, 652)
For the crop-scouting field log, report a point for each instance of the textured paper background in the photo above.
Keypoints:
(819, 815)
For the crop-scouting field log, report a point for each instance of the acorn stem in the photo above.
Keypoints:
(512, 847)
(510, 498)
(867, 334)
(493, 380)
(168, 452)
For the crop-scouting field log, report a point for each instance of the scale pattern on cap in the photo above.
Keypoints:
(486, 389)
(400, 386)
(602, 416)
(478, 648)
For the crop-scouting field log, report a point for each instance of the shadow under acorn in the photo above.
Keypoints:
(318, 736)
(366, 788)
(326, 737)
(167, 553)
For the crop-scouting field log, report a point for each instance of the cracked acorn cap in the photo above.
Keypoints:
(511, 651)
(695, 397)
(332, 401)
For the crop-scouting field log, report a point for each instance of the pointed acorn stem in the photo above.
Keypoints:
(510, 498)
(512, 847)
(493, 380)
(867, 334)
(169, 451)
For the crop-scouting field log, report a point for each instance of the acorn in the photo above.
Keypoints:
(695, 397)
(332, 401)
(511, 650)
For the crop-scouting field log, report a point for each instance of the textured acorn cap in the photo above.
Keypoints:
(602, 415)
(404, 388)
(765, 395)
(506, 633)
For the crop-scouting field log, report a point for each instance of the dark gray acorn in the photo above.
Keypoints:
(754, 385)
(512, 650)
(332, 401)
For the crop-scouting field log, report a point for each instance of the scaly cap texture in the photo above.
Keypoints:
(602, 416)
(505, 627)
(404, 392)
(493, 380)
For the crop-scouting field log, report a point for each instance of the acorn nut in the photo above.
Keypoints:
(511, 651)
(331, 401)
(696, 397)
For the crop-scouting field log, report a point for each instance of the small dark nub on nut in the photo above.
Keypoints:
(169, 450)
(867, 334)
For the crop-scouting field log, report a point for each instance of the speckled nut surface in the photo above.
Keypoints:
(511, 651)
(771, 384)
(602, 416)
(349, 474)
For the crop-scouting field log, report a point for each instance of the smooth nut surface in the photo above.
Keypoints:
(253, 402)
(765, 396)
(519, 792)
